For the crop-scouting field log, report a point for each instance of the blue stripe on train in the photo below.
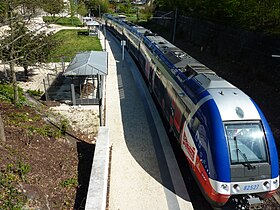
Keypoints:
(212, 146)
(271, 144)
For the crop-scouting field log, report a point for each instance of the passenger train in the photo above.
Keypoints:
(223, 133)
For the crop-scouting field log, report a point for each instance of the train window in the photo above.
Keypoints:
(247, 143)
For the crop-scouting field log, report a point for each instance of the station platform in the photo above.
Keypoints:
(143, 169)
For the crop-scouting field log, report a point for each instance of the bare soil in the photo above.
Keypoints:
(45, 171)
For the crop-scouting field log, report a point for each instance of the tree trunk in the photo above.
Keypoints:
(25, 67)
(2, 132)
(14, 82)
(12, 53)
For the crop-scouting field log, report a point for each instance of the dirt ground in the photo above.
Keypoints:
(39, 167)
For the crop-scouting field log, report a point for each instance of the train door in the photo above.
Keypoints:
(178, 111)
(158, 87)
(147, 68)
(142, 57)
(151, 75)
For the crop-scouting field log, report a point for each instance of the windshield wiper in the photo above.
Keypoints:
(247, 163)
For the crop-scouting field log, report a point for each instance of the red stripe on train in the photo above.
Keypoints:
(203, 180)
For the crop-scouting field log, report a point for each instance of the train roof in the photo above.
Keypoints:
(210, 81)
(234, 105)
(185, 68)
(178, 57)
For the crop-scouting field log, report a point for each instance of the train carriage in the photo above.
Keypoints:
(223, 133)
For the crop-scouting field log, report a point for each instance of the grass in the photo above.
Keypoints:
(70, 43)
(132, 17)
(64, 21)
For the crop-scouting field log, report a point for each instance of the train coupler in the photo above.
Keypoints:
(255, 203)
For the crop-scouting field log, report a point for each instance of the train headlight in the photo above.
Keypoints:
(224, 188)
(275, 184)
(235, 188)
(266, 185)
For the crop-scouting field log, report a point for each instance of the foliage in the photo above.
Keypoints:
(46, 131)
(18, 118)
(3, 10)
(7, 94)
(73, 9)
(93, 6)
(53, 7)
(30, 48)
(82, 9)
(64, 21)
(10, 196)
(37, 93)
(24, 7)
(63, 127)
(23, 169)
(125, 7)
(24, 121)
(147, 12)
(251, 14)
(21, 45)
(71, 182)
(71, 44)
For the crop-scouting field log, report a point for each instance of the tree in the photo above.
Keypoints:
(82, 9)
(94, 5)
(30, 49)
(2, 11)
(53, 6)
(73, 9)
(252, 14)
(19, 45)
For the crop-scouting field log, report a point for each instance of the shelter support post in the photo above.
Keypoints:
(46, 92)
(99, 98)
(73, 94)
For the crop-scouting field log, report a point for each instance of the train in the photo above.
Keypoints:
(224, 135)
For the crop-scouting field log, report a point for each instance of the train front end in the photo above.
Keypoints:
(244, 159)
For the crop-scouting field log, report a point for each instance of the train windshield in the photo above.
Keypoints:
(247, 143)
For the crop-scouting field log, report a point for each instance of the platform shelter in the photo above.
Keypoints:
(88, 71)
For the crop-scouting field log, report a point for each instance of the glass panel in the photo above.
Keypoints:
(246, 142)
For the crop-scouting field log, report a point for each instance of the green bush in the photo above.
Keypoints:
(38, 92)
(7, 93)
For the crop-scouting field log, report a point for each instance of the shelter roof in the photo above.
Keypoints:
(92, 23)
(88, 64)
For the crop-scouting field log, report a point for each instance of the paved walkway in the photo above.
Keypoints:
(144, 171)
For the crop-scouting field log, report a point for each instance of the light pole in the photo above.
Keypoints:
(175, 25)
(104, 27)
